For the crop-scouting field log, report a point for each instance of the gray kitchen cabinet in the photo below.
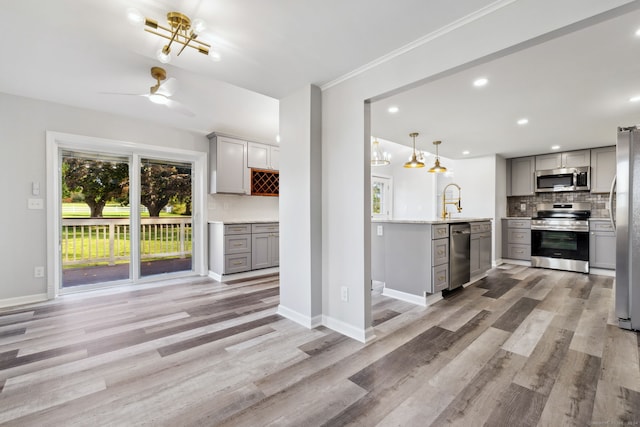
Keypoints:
(520, 176)
(229, 248)
(603, 168)
(228, 172)
(263, 156)
(602, 244)
(237, 248)
(568, 159)
(265, 246)
(480, 248)
(414, 257)
(516, 239)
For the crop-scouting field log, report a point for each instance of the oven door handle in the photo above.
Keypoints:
(559, 228)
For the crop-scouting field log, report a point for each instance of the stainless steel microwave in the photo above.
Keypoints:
(567, 179)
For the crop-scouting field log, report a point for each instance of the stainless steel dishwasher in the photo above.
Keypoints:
(459, 254)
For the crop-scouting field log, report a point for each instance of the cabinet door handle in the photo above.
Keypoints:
(237, 263)
(441, 278)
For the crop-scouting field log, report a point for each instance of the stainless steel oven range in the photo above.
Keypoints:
(560, 236)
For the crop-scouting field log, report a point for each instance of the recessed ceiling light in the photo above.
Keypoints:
(480, 82)
(638, 32)
(555, 147)
(523, 121)
(278, 139)
(634, 98)
(465, 152)
(393, 109)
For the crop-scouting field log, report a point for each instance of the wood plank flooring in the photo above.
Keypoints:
(522, 347)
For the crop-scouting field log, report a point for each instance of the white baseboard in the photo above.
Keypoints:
(602, 272)
(403, 296)
(301, 319)
(245, 275)
(362, 335)
(27, 299)
(516, 262)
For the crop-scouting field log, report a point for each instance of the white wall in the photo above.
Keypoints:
(23, 124)
(230, 207)
(345, 132)
(300, 202)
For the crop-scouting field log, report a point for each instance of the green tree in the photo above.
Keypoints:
(160, 183)
(99, 181)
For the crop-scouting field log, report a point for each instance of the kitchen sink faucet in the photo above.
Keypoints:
(445, 201)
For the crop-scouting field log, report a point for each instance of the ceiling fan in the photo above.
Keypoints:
(161, 92)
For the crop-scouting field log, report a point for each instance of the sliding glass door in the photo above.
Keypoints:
(95, 229)
(165, 217)
(104, 238)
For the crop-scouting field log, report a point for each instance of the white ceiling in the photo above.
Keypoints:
(71, 51)
(574, 89)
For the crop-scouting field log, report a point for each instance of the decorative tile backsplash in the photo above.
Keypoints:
(598, 202)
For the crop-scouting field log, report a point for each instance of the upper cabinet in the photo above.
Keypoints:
(603, 169)
(228, 172)
(263, 156)
(520, 176)
(569, 159)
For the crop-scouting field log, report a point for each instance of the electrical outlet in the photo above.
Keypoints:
(380, 230)
(35, 203)
(344, 294)
(523, 207)
(38, 271)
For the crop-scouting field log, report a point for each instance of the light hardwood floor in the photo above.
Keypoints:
(522, 347)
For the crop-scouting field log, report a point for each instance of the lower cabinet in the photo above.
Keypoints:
(265, 250)
(516, 239)
(602, 245)
(237, 248)
(480, 248)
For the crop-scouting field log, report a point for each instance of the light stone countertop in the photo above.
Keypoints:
(516, 217)
(244, 221)
(432, 221)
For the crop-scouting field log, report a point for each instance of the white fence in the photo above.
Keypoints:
(107, 240)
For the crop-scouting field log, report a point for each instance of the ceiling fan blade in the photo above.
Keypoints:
(168, 87)
(179, 108)
(125, 94)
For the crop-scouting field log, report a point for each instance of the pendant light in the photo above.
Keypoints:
(414, 162)
(379, 158)
(436, 167)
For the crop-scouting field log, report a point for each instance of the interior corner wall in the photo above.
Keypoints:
(501, 204)
(343, 131)
(300, 207)
(23, 126)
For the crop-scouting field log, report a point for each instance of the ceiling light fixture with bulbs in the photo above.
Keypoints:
(181, 31)
(413, 162)
(378, 157)
(437, 168)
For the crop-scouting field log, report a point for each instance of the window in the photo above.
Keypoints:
(381, 197)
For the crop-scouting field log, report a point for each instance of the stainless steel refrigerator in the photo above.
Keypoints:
(627, 225)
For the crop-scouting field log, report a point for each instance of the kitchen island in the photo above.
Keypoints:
(411, 258)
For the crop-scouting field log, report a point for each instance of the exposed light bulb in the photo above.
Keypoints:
(198, 26)
(164, 57)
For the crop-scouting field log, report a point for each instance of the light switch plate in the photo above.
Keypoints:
(380, 230)
(523, 207)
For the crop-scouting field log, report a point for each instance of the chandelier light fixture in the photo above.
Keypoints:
(378, 157)
(181, 33)
(436, 167)
(413, 161)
